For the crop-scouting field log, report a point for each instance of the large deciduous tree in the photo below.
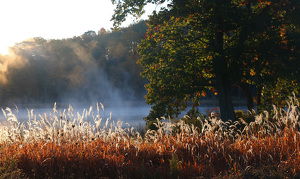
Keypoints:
(192, 46)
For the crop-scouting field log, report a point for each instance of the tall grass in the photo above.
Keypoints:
(83, 145)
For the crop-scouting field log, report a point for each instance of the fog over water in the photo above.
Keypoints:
(127, 112)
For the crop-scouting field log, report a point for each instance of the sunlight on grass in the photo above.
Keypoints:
(84, 145)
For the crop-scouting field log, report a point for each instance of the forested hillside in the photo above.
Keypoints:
(96, 66)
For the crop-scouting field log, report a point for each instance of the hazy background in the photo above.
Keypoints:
(96, 66)
(83, 70)
(65, 52)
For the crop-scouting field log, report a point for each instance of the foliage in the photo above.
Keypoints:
(65, 145)
(276, 93)
(172, 86)
(174, 167)
(195, 46)
(9, 164)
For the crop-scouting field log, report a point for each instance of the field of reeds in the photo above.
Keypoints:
(83, 145)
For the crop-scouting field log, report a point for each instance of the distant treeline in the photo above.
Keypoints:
(96, 66)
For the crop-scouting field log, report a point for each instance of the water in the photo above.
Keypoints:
(131, 114)
(128, 114)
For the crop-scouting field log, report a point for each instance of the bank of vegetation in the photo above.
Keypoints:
(67, 145)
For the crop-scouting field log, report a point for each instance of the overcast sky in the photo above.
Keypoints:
(53, 19)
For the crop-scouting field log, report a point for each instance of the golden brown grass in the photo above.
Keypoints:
(64, 145)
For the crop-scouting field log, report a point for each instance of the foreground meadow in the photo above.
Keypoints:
(67, 145)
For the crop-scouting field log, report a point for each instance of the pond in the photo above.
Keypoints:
(131, 114)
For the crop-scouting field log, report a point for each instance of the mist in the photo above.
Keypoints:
(81, 71)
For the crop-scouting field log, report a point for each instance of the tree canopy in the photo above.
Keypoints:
(195, 46)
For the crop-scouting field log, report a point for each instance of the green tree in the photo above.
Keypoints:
(192, 46)
(264, 52)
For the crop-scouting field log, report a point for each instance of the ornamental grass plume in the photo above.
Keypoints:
(64, 144)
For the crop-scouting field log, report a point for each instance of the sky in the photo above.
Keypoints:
(54, 19)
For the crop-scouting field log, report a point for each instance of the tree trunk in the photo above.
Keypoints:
(258, 101)
(224, 97)
(246, 90)
(223, 85)
(223, 81)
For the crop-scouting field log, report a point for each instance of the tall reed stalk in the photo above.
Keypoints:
(64, 144)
